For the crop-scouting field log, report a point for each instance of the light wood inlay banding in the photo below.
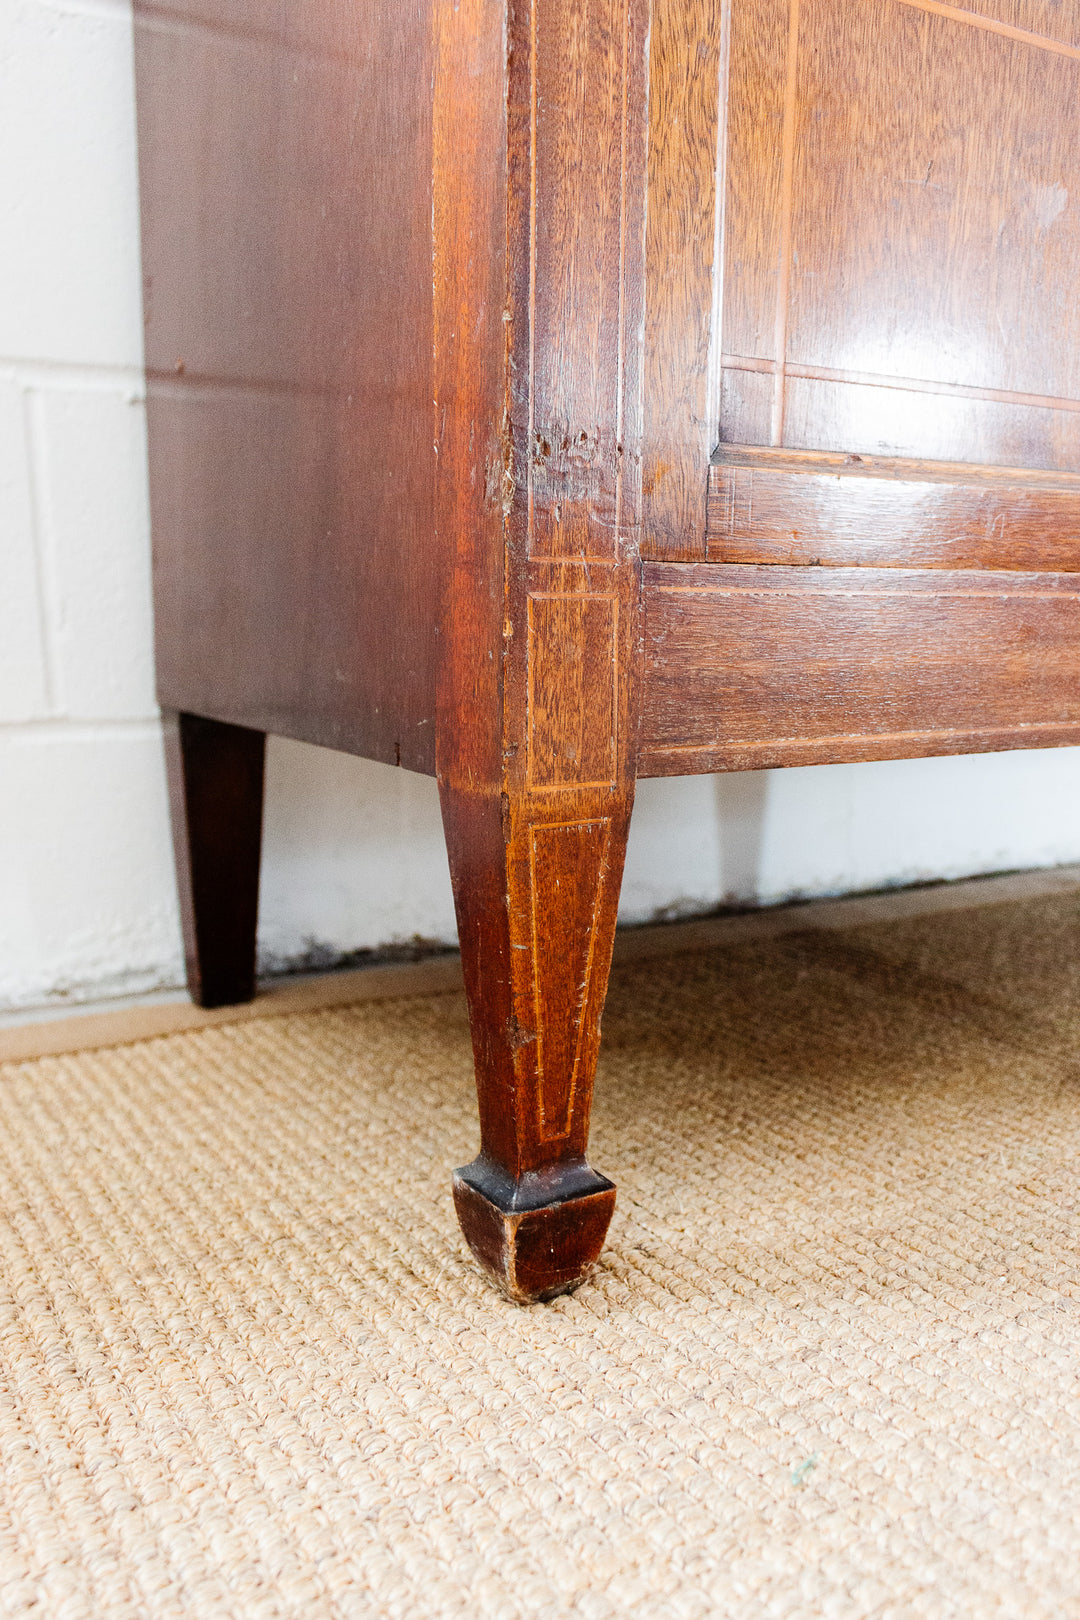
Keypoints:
(915, 385)
(991, 25)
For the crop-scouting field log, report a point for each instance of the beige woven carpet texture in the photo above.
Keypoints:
(828, 1365)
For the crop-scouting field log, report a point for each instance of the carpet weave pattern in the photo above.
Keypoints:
(829, 1365)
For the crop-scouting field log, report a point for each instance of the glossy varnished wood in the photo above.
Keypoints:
(800, 507)
(899, 265)
(753, 667)
(687, 146)
(537, 725)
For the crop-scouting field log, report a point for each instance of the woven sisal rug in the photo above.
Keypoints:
(829, 1366)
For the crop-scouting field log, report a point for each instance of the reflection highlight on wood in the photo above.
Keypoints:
(865, 248)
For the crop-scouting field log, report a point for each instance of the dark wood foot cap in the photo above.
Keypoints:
(539, 1251)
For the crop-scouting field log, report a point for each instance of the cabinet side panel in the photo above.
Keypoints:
(286, 190)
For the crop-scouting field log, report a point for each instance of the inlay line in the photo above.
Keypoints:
(915, 385)
(787, 190)
(991, 25)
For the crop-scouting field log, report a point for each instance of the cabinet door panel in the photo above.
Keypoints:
(898, 221)
(930, 232)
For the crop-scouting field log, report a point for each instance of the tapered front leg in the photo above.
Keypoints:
(536, 888)
(539, 141)
(216, 797)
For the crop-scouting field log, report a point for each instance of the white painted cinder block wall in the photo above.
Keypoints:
(354, 854)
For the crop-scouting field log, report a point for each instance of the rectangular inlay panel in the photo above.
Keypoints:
(893, 243)
(571, 690)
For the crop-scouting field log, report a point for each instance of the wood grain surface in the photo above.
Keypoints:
(899, 266)
(687, 146)
(786, 507)
(894, 271)
(753, 667)
(537, 726)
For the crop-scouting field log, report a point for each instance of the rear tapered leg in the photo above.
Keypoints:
(216, 796)
(536, 889)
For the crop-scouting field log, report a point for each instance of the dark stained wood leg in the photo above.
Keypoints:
(216, 795)
(536, 889)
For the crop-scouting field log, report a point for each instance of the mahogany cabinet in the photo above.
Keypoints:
(548, 393)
